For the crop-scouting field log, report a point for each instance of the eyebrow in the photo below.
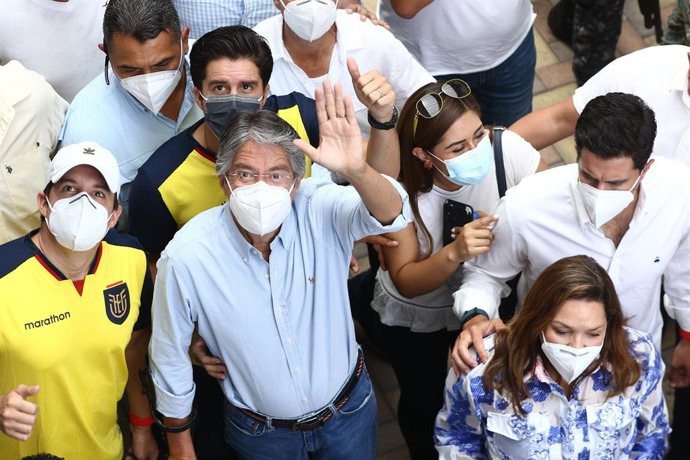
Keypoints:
(612, 182)
(283, 167)
(558, 323)
(462, 141)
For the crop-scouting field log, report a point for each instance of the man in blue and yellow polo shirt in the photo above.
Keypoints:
(230, 68)
(75, 304)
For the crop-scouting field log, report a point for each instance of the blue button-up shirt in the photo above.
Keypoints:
(109, 115)
(476, 423)
(283, 328)
(202, 17)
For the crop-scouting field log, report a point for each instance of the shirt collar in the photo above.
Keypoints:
(345, 41)
(578, 204)
(285, 236)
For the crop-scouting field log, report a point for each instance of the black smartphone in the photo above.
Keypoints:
(455, 214)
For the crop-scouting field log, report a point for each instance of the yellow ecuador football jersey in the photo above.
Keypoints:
(72, 344)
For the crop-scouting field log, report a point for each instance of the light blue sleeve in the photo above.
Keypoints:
(173, 326)
(341, 210)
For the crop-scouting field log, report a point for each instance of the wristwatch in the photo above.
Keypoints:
(386, 125)
(469, 314)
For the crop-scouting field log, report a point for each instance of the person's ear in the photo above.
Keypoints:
(43, 207)
(185, 40)
(224, 185)
(114, 217)
(197, 98)
(646, 167)
(265, 95)
(295, 188)
(101, 47)
(421, 154)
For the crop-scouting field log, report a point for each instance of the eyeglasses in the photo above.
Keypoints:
(430, 105)
(279, 178)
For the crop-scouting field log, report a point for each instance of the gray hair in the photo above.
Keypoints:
(141, 19)
(265, 128)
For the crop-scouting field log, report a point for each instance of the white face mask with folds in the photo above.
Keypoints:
(78, 223)
(310, 19)
(568, 361)
(154, 89)
(260, 208)
(604, 205)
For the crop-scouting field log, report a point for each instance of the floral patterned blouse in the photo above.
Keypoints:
(479, 424)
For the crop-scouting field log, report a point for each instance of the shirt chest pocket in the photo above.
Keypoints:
(611, 429)
(516, 437)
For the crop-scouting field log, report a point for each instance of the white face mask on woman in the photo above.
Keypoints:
(310, 19)
(78, 223)
(568, 361)
(154, 89)
(260, 208)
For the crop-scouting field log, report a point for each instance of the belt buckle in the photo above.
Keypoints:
(313, 421)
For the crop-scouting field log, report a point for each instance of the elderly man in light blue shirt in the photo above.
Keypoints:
(264, 280)
(146, 96)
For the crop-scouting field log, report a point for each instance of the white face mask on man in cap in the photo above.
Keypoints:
(78, 221)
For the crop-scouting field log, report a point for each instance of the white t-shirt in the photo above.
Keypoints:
(373, 47)
(462, 36)
(659, 76)
(543, 220)
(59, 40)
(433, 311)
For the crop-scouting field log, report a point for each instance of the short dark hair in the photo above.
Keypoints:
(617, 125)
(234, 43)
(141, 19)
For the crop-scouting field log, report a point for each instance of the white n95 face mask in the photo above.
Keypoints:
(568, 361)
(78, 223)
(154, 89)
(260, 208)
(604, 205)
(310, 19)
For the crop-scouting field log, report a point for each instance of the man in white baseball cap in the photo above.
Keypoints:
(76, 301)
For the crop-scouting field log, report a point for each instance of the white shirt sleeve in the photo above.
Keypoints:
(484, 279)
(677, 283)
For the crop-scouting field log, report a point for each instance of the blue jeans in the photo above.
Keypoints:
(349, 434)
(504, 92)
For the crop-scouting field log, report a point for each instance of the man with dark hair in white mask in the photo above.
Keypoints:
(628, 211)
(75, 298)
(312, 40)
(264, 280)
(144, 96)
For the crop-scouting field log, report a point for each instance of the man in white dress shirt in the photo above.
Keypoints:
(627, 211)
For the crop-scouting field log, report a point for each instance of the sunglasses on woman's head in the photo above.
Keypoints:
(430, 105)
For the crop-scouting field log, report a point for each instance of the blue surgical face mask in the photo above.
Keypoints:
(471, 167)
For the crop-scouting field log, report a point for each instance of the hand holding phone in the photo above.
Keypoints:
(455, 214)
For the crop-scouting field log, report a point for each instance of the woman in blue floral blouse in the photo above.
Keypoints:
(566, 379)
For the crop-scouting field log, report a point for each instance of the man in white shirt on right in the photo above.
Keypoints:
(627, 211)
(660, 79)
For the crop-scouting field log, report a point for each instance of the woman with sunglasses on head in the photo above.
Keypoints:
(565, 379)
(445, 154)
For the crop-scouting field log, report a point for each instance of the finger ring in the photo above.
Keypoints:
(340, 116)
(380, 92)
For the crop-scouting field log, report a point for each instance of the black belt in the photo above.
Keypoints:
(318, 419)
